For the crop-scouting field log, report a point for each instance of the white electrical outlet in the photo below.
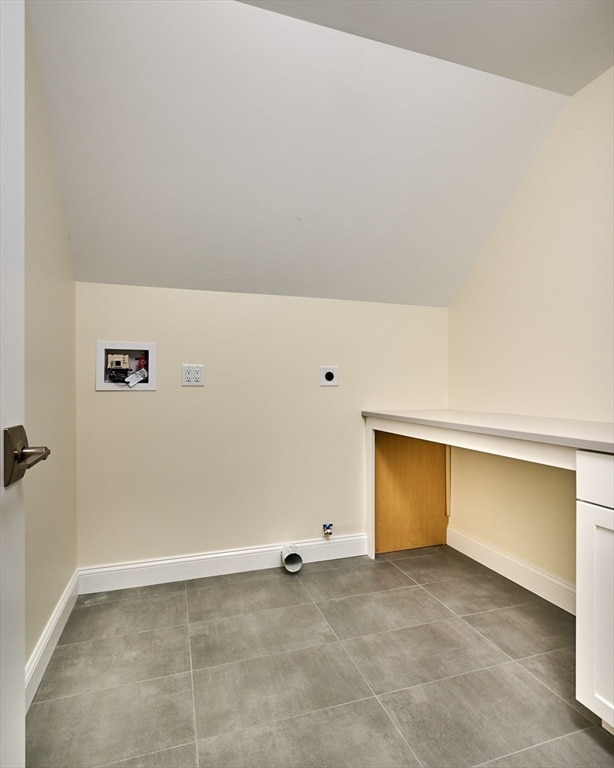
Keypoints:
(329, 376)
(192, 375)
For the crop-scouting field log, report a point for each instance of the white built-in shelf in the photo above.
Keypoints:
(570, 433)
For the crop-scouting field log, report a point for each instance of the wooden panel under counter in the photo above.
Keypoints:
(410, 493)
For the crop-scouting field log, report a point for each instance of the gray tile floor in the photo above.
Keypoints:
(419, 658)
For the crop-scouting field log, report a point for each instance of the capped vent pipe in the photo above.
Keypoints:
(290, 558)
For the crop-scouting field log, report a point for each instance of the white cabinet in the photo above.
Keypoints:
(595, 583)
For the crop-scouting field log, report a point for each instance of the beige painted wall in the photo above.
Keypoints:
(50, 488)
(524, 509)
(261, 454)
(532, 332)
(532, 329)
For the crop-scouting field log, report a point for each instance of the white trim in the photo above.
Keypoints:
(550, 454)
(370, 491)
(145, 572)
(542, 583)
(13, 55)
(39, 659)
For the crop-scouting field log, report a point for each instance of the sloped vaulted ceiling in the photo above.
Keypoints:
(559, 45)
(219, 146)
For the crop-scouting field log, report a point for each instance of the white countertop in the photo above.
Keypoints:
(584, 435)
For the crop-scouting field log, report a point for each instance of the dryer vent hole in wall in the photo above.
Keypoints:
(290, 558)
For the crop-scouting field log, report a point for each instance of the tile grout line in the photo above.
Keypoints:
(463, 617)
(81, 599)
(118, 636)
(401, 628)
(483, 636)
(109, 688)
(279, 720)
(362, 594)
(443, 679)
(492, 610)
(369, 686)
(533, 746)
(187, 613)
(545, 653)
(491, 642)
(144, 754)
(251, 613)
(398, 730)
(558, 695)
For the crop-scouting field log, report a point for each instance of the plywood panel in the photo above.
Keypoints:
(410, 493)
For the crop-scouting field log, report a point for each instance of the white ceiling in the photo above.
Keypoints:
(560, 45)
(216, 145)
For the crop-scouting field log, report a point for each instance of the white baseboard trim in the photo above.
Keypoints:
(542, 583)
(39, 659)
(145, 572)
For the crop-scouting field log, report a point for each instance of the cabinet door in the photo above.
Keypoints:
(410, 493)
(595, 609)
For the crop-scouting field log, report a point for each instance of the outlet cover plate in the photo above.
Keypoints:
(192, 375)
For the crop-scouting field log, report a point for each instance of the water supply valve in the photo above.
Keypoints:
(327, 529)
